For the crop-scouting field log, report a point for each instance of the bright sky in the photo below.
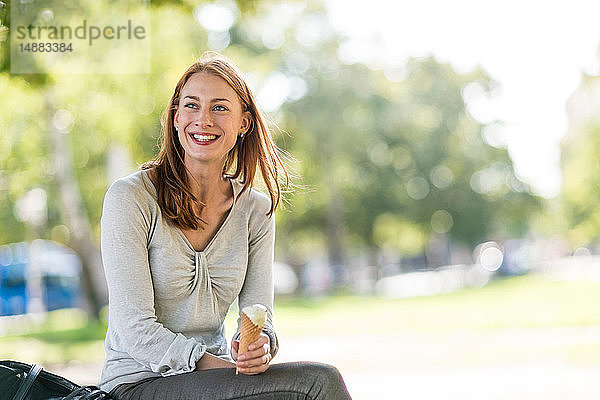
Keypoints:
(536, 50)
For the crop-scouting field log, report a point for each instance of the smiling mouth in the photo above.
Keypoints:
(203, 138)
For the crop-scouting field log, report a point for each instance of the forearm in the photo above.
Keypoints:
(258, 283)
(208, 361)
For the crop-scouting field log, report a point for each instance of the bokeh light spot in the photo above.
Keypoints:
(441, 221)
(417, 188)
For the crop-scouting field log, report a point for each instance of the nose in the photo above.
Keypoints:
(204, 117)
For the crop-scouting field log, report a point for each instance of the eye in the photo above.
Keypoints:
(220, 107)
(190, 105)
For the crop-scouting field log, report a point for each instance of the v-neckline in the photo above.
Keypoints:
(227, 218)
(210, 242)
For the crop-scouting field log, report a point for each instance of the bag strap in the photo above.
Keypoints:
(96, 394)
(26, 385)
(90, 392)
(78, 392)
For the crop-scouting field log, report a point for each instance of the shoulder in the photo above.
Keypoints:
(254, 204)
(259, 222)
(260, 201)
(252, 201)
(134, 187)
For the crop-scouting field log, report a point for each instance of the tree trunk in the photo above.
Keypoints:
(335, 226)
(75, 216)
(335, 223)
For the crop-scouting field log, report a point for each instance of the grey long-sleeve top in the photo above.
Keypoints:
(167, 302)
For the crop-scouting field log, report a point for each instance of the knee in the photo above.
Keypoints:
(329, 380)
(327, 372)
(316, 381)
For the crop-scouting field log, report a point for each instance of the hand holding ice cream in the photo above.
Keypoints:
(252, 322)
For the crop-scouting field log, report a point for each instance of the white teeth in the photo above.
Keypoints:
(204, 137)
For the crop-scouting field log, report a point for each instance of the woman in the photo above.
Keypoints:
(187, 235)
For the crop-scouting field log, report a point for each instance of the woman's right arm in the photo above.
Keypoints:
(126, 227)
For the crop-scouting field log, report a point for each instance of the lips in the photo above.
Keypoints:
(203, 138)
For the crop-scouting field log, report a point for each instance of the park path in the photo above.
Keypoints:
(523, 363)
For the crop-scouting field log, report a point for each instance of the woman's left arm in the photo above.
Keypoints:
(258, 283)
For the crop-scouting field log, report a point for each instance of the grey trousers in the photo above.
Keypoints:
(286, 381)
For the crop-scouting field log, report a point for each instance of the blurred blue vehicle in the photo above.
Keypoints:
(40, 276)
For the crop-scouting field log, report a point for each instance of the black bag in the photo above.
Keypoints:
(20, 381)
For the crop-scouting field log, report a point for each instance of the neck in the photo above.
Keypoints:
(207, 181)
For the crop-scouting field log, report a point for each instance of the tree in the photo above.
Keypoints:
(388, 164)
(581, 166)
(384, 164)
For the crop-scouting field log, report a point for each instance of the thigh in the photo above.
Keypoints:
(287, 381)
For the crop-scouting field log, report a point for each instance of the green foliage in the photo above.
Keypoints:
(404, 151)
(385, 164)
(581, 172)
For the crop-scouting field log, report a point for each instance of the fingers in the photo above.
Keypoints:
(255, 353)
(260, 342)
(256, 359)
(262, 339)
(256, 349)
(254, 366)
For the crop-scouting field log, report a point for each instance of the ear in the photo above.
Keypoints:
(176, 116)
(246, 122)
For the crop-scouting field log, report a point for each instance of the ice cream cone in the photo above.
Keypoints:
(249, 333)
(252, 321)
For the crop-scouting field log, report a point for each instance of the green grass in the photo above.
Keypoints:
(532, 301)
(63, 336)
(526, 301)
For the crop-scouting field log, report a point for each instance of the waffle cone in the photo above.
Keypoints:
(249, 333)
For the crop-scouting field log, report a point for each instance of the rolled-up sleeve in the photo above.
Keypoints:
(126, 229)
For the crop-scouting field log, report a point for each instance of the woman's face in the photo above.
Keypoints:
(209, 118)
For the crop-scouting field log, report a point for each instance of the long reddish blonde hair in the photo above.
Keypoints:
(255, 148)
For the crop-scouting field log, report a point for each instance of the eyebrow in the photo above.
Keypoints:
(212, 101)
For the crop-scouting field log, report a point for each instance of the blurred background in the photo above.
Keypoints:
(444, 234)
